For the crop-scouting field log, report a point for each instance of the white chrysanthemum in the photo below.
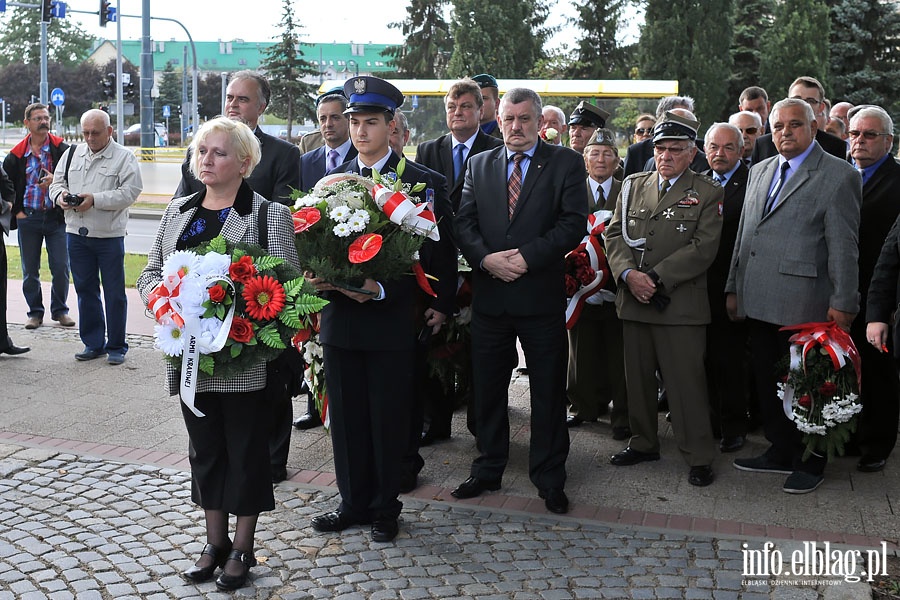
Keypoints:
(356, 224)
(181, 260)
(361, 213)
(342, 230)
(169, 339)
(340, 213)
(214, 263)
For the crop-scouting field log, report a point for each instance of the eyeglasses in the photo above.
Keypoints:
(810, 101)
(869, 135)
(749, 130)
(642, 131)
(673, 150)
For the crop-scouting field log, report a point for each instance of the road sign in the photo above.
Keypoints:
(58, 10)
(166, 111)
(57, 97)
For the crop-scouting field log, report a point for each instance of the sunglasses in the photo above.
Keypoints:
(642, 131)
(749, 130)
(869, 135)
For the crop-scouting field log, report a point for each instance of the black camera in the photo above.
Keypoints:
(73, 199)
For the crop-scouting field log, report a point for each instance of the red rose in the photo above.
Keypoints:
(242, 270)
(241, 330)
(804, 401)
(828, 389)
(217, 294)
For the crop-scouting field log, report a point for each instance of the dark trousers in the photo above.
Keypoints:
(93, 260)
(726, 375)
(229, 452)
(4, 332)
(768, 346)
(880, 396)
(596, 373)
(494, 356)
(370, 402)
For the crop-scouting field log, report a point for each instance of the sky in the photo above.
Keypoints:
(350, 21)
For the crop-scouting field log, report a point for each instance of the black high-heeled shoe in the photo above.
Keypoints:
(232, 582)
(219, 556)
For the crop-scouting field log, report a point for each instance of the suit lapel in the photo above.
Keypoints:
(445, 156)
(235, 226)
(801, 176)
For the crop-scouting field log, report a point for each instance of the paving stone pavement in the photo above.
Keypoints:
(83, 527)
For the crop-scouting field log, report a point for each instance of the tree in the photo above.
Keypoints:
(169, 91)
(285, 67)
(504, 38)
(688, 40)
(209, 95)
(753, 20)
(796, 45)
(864, 65)
(598, 55)
(20, 40)
(427, 41)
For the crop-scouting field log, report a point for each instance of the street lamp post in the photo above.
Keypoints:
(355, 66)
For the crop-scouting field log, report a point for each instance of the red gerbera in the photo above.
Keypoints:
(265, 298)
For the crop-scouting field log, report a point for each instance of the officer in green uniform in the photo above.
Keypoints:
(662, 239)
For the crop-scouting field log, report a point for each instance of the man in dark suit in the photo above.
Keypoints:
(369, 340)
(871, 139)
(660, 243)
(638, 154)
(449, 155)
(335, 129)
(811, 91)
(277, 174)
(523, 208)
(755, 99)
(7, 197)
(726, 340)
(596, 373)
(337, 148)
(795, 261)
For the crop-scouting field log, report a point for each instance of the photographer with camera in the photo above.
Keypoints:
(95, 183)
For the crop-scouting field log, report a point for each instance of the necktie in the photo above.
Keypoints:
(665, 188)
(332, 161)
(600, 198)
(458, 161)
(720, 179)
(515, 183)
(366, 172)
(772, 200)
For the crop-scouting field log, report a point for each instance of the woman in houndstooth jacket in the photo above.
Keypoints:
(229, 451)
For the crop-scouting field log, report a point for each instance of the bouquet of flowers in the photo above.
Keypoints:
(587, 272)
(350, 228)
(820, 388)
(223, 308)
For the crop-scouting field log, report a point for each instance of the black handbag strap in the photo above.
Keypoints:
(69, 160)
(264, 224)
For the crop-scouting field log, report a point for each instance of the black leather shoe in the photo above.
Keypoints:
(232, 582)
(219, 556)
(473, 486)
(574, 421)
(869, 464)
(621, 433)
(332, 521)
(13, 350)
(308, 421)
(431, 436)
(701, 476)
(556, 501)
(629, 456)
(385, 530)
(87, 354)
(732, 443)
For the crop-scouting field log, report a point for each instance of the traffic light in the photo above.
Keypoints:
(109, 85)
(128, 90)
(46, 10)
(104, 13)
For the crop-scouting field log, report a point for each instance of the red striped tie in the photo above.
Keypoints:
(515, 183)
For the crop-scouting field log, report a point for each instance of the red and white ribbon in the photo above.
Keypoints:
(401, 210)
(836, 342)
(161, 300)
(596, 225)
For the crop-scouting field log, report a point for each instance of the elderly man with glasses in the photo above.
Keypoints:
(751, 127)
